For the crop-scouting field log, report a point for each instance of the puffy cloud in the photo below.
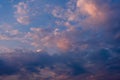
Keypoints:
(92, 19)
(80, 20)
(9, 32)
(86, 13)
(48, 40)
(63, 44)
(22, 14)
(89, 7)
(9, 35)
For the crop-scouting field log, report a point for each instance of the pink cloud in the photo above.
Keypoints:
(21, 13)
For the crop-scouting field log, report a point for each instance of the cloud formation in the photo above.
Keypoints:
(22, 13)
(86, 26)
(85, 23)
(83, 44)
(23, 65)
(49, 40)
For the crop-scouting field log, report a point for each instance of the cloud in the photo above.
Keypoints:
(9, 32)
(86, 47)
(59, 67)
(2, 37)
(22, 13)
(4, 49)
(9, 35)
(63, 44)
(90, 9)
(48, 40)
(82, 27)
(86, 13)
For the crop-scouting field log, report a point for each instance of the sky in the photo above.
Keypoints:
(59, 39)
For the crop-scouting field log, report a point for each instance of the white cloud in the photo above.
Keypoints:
(22, 14)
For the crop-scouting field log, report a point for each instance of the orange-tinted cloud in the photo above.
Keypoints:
(95, 14)
(63, 44)
(89, 7)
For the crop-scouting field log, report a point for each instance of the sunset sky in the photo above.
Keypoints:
(59, 39)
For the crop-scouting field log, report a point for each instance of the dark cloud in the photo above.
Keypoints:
(70, 64)
(6, 69)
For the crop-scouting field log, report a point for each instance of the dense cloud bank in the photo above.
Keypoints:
(69, 66)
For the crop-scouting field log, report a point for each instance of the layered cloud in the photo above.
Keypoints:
(70, 66)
